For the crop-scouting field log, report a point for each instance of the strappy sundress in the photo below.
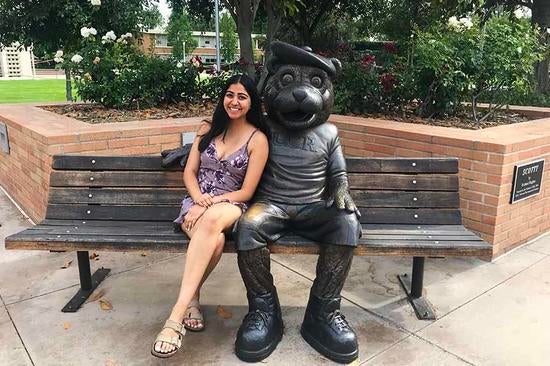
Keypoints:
(219, 176)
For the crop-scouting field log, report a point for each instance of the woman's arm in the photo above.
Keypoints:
(258, 149)
(191, 170)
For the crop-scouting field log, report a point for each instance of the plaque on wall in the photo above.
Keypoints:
(4, 142)
(527, 180)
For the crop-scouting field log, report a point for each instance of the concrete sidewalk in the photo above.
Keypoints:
(488, 313)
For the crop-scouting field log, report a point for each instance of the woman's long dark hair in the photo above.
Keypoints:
(220, 120)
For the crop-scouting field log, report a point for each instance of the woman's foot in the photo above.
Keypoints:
(169, 340)
(193, 319)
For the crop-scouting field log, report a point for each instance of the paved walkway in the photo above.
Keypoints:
(488, 313)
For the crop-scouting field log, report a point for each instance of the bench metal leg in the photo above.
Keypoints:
(88, 283)
(413, 289)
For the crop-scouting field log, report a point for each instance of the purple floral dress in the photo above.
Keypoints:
(219, 176)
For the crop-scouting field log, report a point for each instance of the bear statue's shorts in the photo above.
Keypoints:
(265, 222)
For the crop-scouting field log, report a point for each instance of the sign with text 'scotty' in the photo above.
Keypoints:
(527, 180)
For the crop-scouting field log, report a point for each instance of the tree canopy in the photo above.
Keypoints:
(56, 24)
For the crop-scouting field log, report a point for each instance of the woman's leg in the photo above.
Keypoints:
(208, 232)
(194, 323)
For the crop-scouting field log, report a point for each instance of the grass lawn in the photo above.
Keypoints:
(28, 91)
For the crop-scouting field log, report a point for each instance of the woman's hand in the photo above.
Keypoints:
(194, 213)
(205, 200)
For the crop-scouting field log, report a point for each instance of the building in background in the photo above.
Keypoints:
(16, 61)
(156, 41)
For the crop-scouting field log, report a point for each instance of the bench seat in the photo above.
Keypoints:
(126, 236)
(409, 207)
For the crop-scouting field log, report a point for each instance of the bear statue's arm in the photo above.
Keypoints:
(338, 187)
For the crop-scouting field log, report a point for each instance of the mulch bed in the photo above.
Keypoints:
(92, 113)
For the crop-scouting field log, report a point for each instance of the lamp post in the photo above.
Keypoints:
(217, 16)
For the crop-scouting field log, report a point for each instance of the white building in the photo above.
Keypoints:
(16, 62)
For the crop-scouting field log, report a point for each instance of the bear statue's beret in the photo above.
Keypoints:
(284, 53)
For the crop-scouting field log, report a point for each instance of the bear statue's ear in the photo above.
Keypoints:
(337, 65)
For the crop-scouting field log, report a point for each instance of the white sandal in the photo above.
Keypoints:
(174, 341)
(193, 312)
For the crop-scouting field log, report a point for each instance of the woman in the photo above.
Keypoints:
(223, 169)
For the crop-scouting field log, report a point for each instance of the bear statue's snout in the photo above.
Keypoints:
(299, 94)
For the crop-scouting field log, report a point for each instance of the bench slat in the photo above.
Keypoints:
(289, 244)
(117, 196)
(171, 196)
(410, 216)
(402, 165)
(116, 179)
(174, 179)
(127, 213)
(79, 162)
(354, 164)
(167, 231)
(404, 182)
(167, 213)
(421, 199)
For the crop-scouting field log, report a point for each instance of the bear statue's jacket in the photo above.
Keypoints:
(301, 164)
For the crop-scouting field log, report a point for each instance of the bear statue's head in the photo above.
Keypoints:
(298, 93)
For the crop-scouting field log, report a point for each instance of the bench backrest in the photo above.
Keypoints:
(387, 190)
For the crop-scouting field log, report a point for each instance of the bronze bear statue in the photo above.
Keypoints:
(304, 190)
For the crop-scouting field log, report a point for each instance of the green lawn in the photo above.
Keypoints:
(28, 91)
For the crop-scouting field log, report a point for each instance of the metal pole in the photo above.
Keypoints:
(217, 15)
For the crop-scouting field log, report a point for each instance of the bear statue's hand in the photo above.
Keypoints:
(340, 197)
(172, 157)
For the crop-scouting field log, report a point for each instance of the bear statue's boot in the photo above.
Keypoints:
(325, 328)
(262, 328)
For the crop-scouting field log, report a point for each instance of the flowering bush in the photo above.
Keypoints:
(113, 72)
(464, 61)
(370, 83)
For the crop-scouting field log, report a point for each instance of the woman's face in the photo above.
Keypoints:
(236, 101)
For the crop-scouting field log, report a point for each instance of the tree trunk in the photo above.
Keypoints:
(541, 17)
(274, 18)
(68, 86)
(245, 11)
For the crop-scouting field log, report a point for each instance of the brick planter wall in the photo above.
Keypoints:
(486, 162)
(35, 135)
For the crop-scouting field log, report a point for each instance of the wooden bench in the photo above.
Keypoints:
(410, 207)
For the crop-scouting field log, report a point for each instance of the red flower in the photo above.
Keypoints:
(367, 61)
(388, 82)
(390, 47)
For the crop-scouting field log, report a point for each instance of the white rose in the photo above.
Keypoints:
(548, 30)
(453, 22)
(76, 58)
(84, 32)
(92, 31)
(96, 60)
(116, 71)
(96, 2)
(58, 54)
(110, 35)
(58, 59)
(179, 65)
(466, 23)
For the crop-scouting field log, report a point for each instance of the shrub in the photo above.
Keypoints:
(463, 61)
(116, 74)
(370, 83)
